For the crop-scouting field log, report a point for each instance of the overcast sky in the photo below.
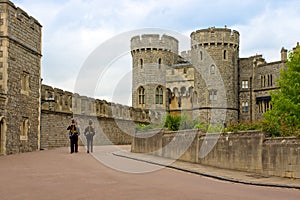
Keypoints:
(74, 29)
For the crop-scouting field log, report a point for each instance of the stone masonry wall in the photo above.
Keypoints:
(20, 79)
(114, 123)
(246, 151)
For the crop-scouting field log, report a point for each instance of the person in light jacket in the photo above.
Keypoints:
(89, 133)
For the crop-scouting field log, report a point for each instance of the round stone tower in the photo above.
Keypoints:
(151, 54)
(215, 54)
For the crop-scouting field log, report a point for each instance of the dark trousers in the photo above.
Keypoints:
(74, 143)
(89, 143)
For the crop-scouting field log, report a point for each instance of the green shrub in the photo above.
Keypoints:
(172, 122)
(143, 127)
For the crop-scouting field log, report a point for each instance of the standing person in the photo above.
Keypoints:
(89, 133)
(74, 132)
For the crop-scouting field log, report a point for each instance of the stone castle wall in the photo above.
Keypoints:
(114, 123)
(247, 151)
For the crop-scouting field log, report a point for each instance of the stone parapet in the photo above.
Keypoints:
(57, 100)
(248, 151)
(215, 36)
(154, 42)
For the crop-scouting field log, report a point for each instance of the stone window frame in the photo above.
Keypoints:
(225, 56)
(141, 63)
(212, 69)
(25, 86)
(141, 95)
(3, 129)
(159, 95)
(24, 129)
(213, 95)
(159, 63)
(245, 84)
(245, 107)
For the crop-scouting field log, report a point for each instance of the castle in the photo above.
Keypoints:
(210, 81)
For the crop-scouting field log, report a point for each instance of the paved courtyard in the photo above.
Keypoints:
(57, 174)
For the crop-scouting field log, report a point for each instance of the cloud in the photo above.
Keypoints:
(73, 29)
(268, 32)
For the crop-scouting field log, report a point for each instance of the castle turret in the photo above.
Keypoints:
(215, 54)
(151, 54)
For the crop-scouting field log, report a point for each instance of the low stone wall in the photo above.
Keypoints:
(108, 130)
(246, 151)
(54, 129)
(233, 151)
(281, 157)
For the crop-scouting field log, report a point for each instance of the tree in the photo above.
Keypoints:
(284, 117)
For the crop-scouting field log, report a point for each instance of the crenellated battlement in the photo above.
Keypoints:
(20, 27)
(186, 55)
(215, 36)
(57, 100)
(154, 42)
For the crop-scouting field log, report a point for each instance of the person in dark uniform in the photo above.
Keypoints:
(74, 132)
(89, 133)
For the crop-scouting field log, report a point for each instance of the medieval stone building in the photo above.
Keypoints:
(210, 81)
(20, 80)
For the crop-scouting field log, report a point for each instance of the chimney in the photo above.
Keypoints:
(283, 54)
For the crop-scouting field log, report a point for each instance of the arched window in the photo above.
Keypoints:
(141, 92)
(24, 129)
(271, 80)
(175, 91)
(159, 95)
(224, 54)
(141, 63)
(213, 95)
(182, 91)
(212, 69)
(159, 63)
(245, 107)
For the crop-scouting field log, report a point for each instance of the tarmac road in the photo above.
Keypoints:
(57, 174)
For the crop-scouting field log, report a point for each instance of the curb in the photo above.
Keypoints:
(233, 180)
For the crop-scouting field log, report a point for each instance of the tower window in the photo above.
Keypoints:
(141, 92)
(24, 129)
(212, 69)
(25, 83)
(245, 84)
(159, 63)
(213, 95)
(141, 63)
(201, 55)
(245, 107)
(184, 70)
(159, 95)
(224, 54)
